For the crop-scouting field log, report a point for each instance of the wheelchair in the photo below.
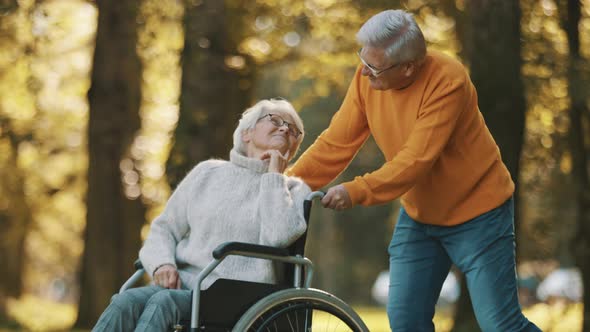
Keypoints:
(243, 306)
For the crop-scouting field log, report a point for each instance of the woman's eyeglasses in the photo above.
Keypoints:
(278, 122)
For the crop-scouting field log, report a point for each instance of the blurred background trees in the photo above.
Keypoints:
(491, 44)
(216, 84)
(105, 106)
(114, 210)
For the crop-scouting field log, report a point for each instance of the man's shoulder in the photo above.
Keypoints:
(444, 68)
(441, 57)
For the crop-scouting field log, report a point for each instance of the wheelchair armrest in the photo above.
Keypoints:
(137, 265)
(231, 247)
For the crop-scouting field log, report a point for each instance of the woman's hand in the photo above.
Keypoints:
(167, 277)
(278, 162)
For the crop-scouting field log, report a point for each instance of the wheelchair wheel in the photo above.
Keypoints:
(300, 310)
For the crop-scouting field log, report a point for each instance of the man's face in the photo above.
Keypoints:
(383, 72)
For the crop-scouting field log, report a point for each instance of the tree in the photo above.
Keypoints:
(15, 211)
(215, 89)
(114, 215)
(570, 14)
(15, 220)
(493, 51)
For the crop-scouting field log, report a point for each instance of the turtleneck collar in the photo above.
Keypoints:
(256, 165)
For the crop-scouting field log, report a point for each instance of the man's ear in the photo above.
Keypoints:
(409, 69)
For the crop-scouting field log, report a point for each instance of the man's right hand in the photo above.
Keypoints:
(167, 277)
(337, 198)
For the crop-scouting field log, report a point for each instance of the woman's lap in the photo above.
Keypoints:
(145, 308)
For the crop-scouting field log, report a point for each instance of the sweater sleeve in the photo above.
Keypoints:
(434, 126)
(169, 227)
(335, 148)
(280, 209)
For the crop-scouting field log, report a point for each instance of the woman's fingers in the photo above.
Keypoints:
(178, 283)
(277, 160)
(167, 277)
(172, 279)
(286, 155)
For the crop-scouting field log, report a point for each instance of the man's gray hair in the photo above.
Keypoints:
(251, 116)
(397, 32)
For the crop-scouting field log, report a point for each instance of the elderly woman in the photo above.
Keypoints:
(245, 199)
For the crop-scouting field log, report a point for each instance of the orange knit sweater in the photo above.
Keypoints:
(440, 156)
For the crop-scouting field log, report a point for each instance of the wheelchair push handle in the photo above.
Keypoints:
(308, 202)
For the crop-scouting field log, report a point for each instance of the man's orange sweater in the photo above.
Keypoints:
(440, 156)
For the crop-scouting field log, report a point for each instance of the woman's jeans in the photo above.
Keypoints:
(482, 248)
(150, 308)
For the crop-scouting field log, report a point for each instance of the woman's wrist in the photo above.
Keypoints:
(159, 266)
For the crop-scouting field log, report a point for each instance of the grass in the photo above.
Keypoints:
(36, 314)
(376, 319)
(558, 317)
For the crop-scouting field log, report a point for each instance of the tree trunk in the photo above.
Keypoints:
(216, 87)
(578, 114)
(16, 216)
(114, 220)
(15, 221)
(493, 49)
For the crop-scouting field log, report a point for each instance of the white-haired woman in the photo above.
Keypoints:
(246, 199)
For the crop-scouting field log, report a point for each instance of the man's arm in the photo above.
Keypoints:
(335, 148)
(435, 124)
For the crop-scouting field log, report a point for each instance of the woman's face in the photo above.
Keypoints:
(274, 131)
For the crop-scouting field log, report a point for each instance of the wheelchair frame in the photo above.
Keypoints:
(301, 291)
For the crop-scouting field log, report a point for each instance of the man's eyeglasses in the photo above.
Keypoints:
(278, 122)
(375, 71)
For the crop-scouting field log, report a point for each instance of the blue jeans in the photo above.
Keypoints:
(482, 248)
(150, 308)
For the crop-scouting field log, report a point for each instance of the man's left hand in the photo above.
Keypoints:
(337, 198)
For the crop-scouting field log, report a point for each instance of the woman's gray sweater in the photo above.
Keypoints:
(220, 201)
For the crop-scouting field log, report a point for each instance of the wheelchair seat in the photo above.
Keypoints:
(227, 300)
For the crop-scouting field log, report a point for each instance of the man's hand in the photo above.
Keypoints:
(337, 198)
(167, 277)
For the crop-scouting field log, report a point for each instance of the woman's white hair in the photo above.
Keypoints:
(397, 32)
(251, 116)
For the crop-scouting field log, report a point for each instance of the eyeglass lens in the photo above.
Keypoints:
(278, 121)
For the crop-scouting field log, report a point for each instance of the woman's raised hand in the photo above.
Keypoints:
(167, 277)
(277, 161)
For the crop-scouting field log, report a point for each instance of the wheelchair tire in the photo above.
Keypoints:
(291, 310)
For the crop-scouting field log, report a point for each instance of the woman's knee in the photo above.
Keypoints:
(165, 307)
(123, 302)
(162, 298)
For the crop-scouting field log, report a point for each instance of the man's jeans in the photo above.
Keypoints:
(150, 308)
(482, 248)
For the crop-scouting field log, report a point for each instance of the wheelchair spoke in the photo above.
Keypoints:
(300, 310)
(299, 317)
(291, 323)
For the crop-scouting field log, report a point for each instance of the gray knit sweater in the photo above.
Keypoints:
(220, 201)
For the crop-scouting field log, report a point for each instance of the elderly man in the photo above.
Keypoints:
(421, 108)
